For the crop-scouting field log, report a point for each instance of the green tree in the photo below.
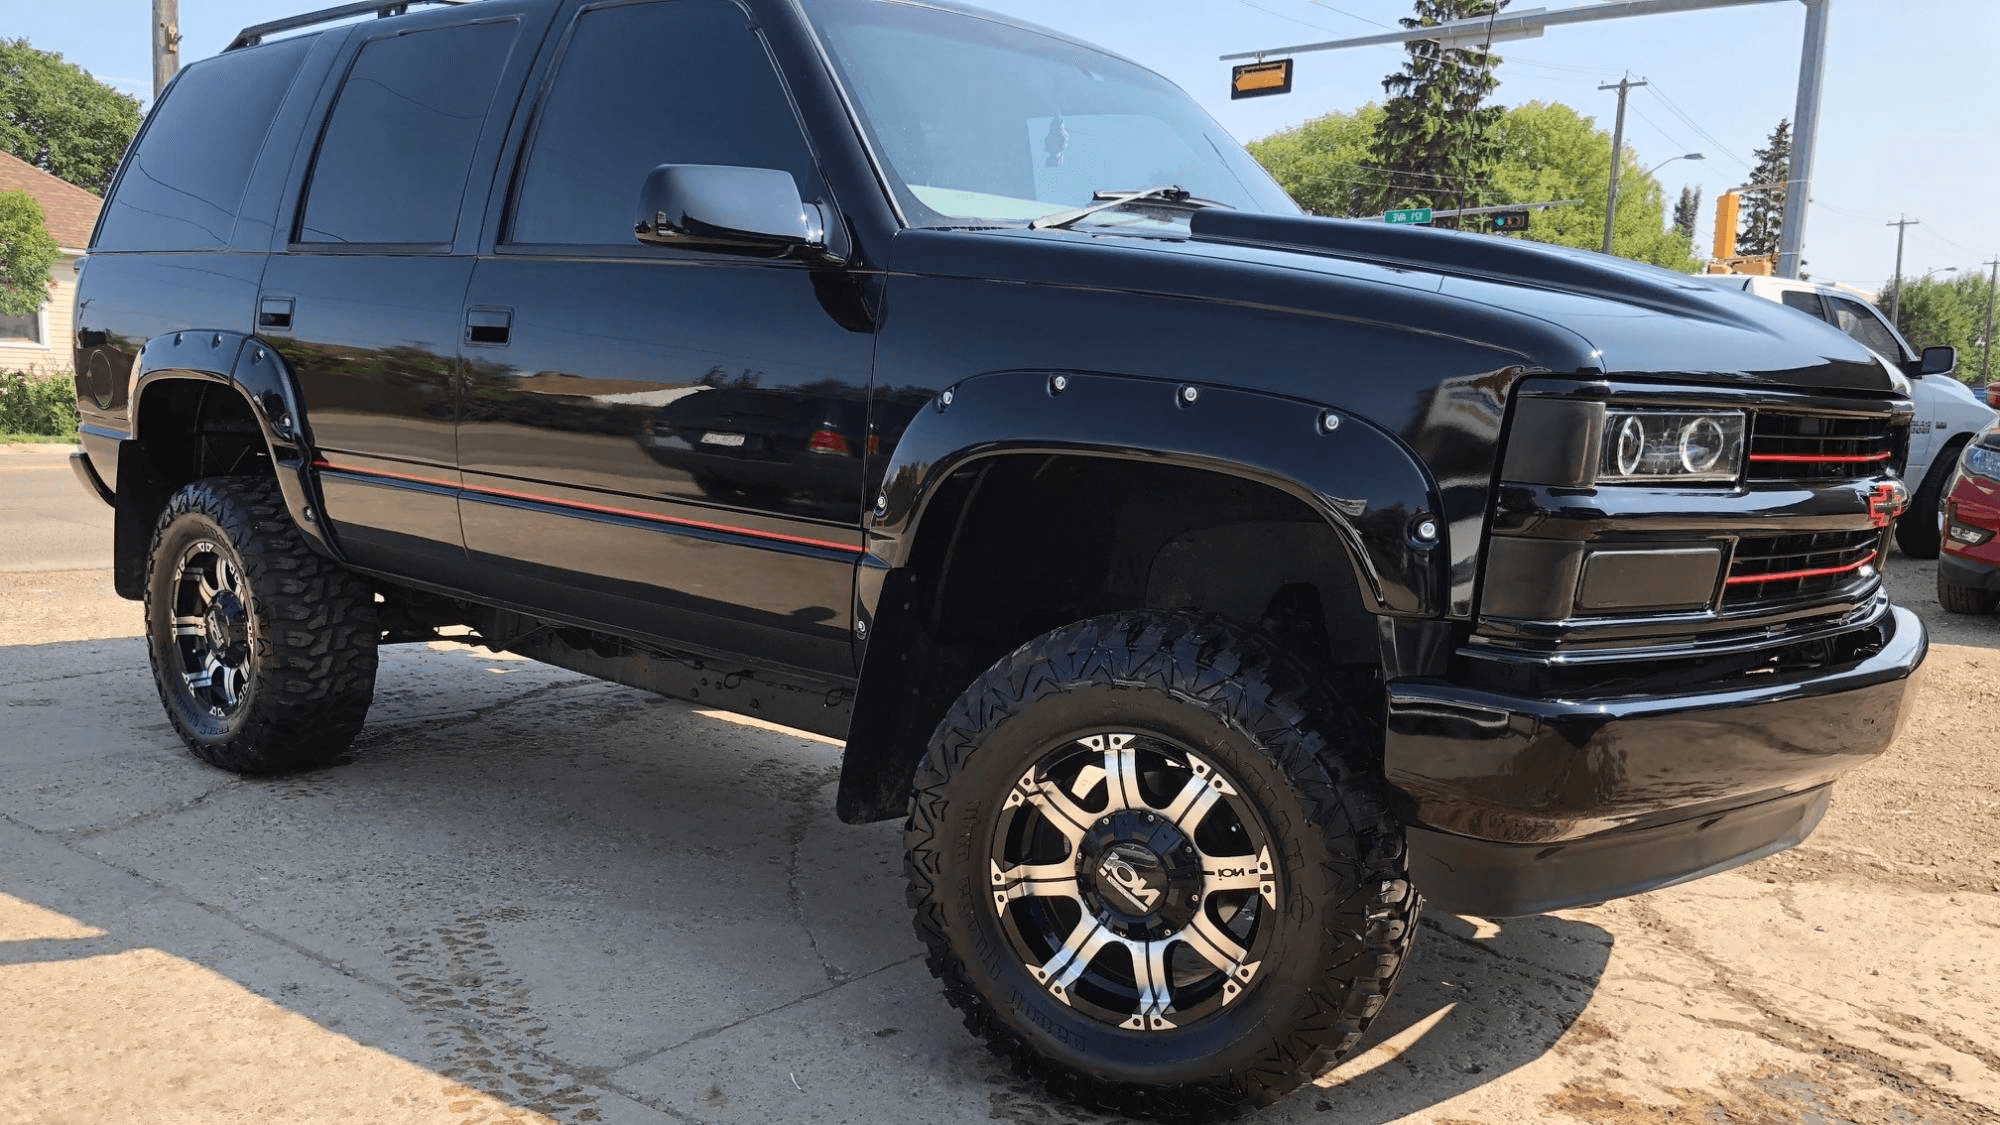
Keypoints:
(1545, 152)
(1325, 163)
(1687, 211)
(58, 118)
(1436, 134)
(1934, 311)
(27, 254)
(1764, 211)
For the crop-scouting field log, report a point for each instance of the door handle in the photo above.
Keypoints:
(274, 312)
(488, 325)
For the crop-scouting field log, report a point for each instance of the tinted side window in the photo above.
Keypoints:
(397, 150)
(1807, 303)
(181, 186)
(1857, 321)
(640, 85)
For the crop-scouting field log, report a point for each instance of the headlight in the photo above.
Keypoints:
(1671, 446)
(1981, 462)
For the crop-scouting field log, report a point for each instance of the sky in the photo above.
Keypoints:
(1909, 122)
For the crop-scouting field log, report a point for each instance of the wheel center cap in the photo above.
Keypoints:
(1132, 877)
(1139, 874)
(226, 626)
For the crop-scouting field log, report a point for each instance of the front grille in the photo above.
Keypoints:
(1798, 569)
(1819, 447)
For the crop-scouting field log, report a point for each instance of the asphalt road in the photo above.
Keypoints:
(529, 896)
(47, 520)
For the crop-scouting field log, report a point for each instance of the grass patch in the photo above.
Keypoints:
(37, 439)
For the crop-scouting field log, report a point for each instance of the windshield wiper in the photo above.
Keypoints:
(1107, 200)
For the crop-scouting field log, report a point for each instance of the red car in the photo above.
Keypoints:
(1993, 395)
(1969, 565)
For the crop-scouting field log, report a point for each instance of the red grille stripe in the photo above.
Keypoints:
(649, 516)
(1814, 459)
(1820, 572)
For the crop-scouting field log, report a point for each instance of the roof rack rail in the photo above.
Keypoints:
(383, 9)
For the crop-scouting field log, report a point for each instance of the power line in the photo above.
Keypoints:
(1284, 16)
(1349, 15)
(1677, 111)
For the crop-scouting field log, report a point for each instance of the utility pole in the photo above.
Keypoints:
(1805, 138)
(1902, 226)
(1624, 86)
(166, 43)
(1986, 353)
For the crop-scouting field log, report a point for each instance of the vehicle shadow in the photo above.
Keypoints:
(595, 905)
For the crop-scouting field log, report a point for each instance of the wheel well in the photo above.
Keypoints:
(194, 428)
(1014, 546)
(186, 429)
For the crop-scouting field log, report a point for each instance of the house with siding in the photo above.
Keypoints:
(41, 342)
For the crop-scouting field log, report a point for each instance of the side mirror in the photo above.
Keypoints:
(1940, 360)
(714, 207)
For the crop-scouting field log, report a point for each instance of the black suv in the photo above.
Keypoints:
(1205, 582)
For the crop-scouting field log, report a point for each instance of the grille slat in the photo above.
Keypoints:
(1818, 447)
(1800, 568)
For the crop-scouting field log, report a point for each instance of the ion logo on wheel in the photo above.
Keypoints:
(1117, 870)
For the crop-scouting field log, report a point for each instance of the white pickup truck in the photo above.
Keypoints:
(1948, 412)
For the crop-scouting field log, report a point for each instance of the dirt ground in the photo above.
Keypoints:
(487, 915)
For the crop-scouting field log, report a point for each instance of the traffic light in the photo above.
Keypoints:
(1507, 222)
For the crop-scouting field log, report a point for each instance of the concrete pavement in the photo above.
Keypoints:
(528, 896)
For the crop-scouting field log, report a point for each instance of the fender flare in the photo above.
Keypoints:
(253, 369)
(1369, 487)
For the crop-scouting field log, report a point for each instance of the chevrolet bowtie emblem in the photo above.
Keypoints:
(1887, 502)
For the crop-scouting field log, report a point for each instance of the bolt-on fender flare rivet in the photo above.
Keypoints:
(308, 513)
(1424, 529)
(944, 399)
(1058, 384)
(882, 503)
(1189, 394)
(861, 630)
(1329, 422)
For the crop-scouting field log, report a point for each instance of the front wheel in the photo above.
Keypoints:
(264, 652)
(1152, 863)
(1920, 529)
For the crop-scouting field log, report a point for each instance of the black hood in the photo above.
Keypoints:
(1636, 319)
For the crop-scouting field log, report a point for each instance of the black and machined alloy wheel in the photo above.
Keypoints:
(1152, 863)
(264, 652)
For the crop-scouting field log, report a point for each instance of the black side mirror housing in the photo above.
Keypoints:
(1939, 360)
(716, 207)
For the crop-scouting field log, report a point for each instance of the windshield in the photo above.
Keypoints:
(979, 122)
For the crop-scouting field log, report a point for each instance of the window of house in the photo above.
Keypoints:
(27, 327)
(616, 111)
(393, 162)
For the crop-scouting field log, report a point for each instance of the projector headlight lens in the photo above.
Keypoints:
(1671, 446)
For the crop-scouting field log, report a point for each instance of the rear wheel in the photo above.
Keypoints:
(1153, 865)
(263, 652)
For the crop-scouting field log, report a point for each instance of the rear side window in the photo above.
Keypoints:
(1807, 303)
(397, 151)
(181, 187)
(1857, 321)
(618, 109)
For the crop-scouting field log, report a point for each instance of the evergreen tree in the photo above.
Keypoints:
(1764, 211)
(1687, 210)
(1436, 140)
